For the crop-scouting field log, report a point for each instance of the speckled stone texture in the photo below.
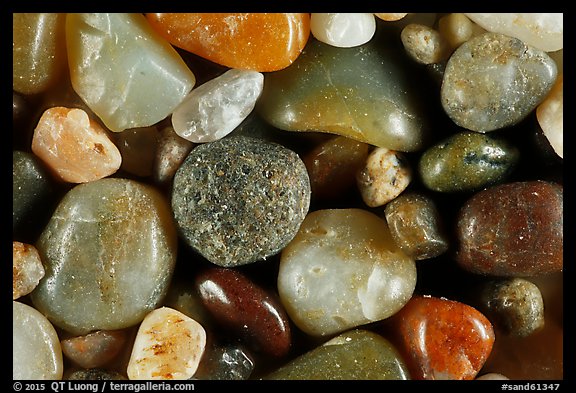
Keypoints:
(240, 200)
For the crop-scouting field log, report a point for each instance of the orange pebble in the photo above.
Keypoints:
(254, 41)
(76, 148)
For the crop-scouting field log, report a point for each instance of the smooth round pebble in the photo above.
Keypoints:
(343, 270)
(240, 200)
(493, 81)
(36, 352)
(512, 230)
(109, 252)
(424, 44)
(343, 30)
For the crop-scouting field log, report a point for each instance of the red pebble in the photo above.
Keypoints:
(442, 339)
(246, 309)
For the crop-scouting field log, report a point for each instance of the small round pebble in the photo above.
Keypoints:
(240, 200)
(456, 28)
(424, 44)
(515, 304)
(343, 30)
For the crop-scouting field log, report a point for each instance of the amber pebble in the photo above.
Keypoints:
(38, 51)
(332, 166)
(75, 147)
(513, 229)
(253, 41)
(246, 309)
(94, 349)
(442, 339)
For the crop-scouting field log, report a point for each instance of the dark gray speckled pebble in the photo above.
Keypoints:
(239, 200)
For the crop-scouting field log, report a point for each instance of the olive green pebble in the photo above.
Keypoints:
(467, 161)
(354, 355)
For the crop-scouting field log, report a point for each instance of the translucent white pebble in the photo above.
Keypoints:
(36, 351)
(214, 109)
(343, 30)
(544, 31)
(168, 345)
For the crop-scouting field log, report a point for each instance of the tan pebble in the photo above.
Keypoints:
(550, 115)
(76, 148)
(456, 28)
(424, 44)
(385, 175)
(27, 269)
(492, 377)
(168, 345)
(390, 17)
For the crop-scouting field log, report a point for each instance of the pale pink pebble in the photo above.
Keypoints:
(76, 148)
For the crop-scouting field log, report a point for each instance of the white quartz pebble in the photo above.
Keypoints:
(343, 30)
(27, 269)
(384, 176)
(550, 115)
(213, 110)
(168, 345)
(36, 351)
(544, 31)
(492, 377)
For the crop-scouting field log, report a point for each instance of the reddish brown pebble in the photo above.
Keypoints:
(245, 308)
(94, 349)
(514, 229)
(443, 339)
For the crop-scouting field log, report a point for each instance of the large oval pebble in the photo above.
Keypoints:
(443, 339)
(109, 252)
(494, 81)
(514, 229)
(36, 351)
(354, 355)
(251, 41)
(343, 270)
(239, 200)
(148, 78)
(245, 309)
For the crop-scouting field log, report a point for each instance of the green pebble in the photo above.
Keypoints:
(467, 161)
(354, 355)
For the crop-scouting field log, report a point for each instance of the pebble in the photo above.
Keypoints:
(333, 165)
(416, 225)
(226, 362)
(343, 30)
(168, 345)
(343, 270)
(353, 355)
(138, 149)
(262, 42)
(36, 352)
(38, 51)
(492, 377)
(95, 374)
(27, 269)
(76, 148)
(32, 190)
(246, 310)
(390, 16)
(149, 78)
(239, 200)
(365, 93)
(442, 339)
(467, 161)
(550, 115)
(214, 109)
(494, 81)
(94, 349)
(109, 248)
(544, 31)
(171, 151)
(424, 44)
(385, 175)
(456, 28)
(515, 305)
(513, 229)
